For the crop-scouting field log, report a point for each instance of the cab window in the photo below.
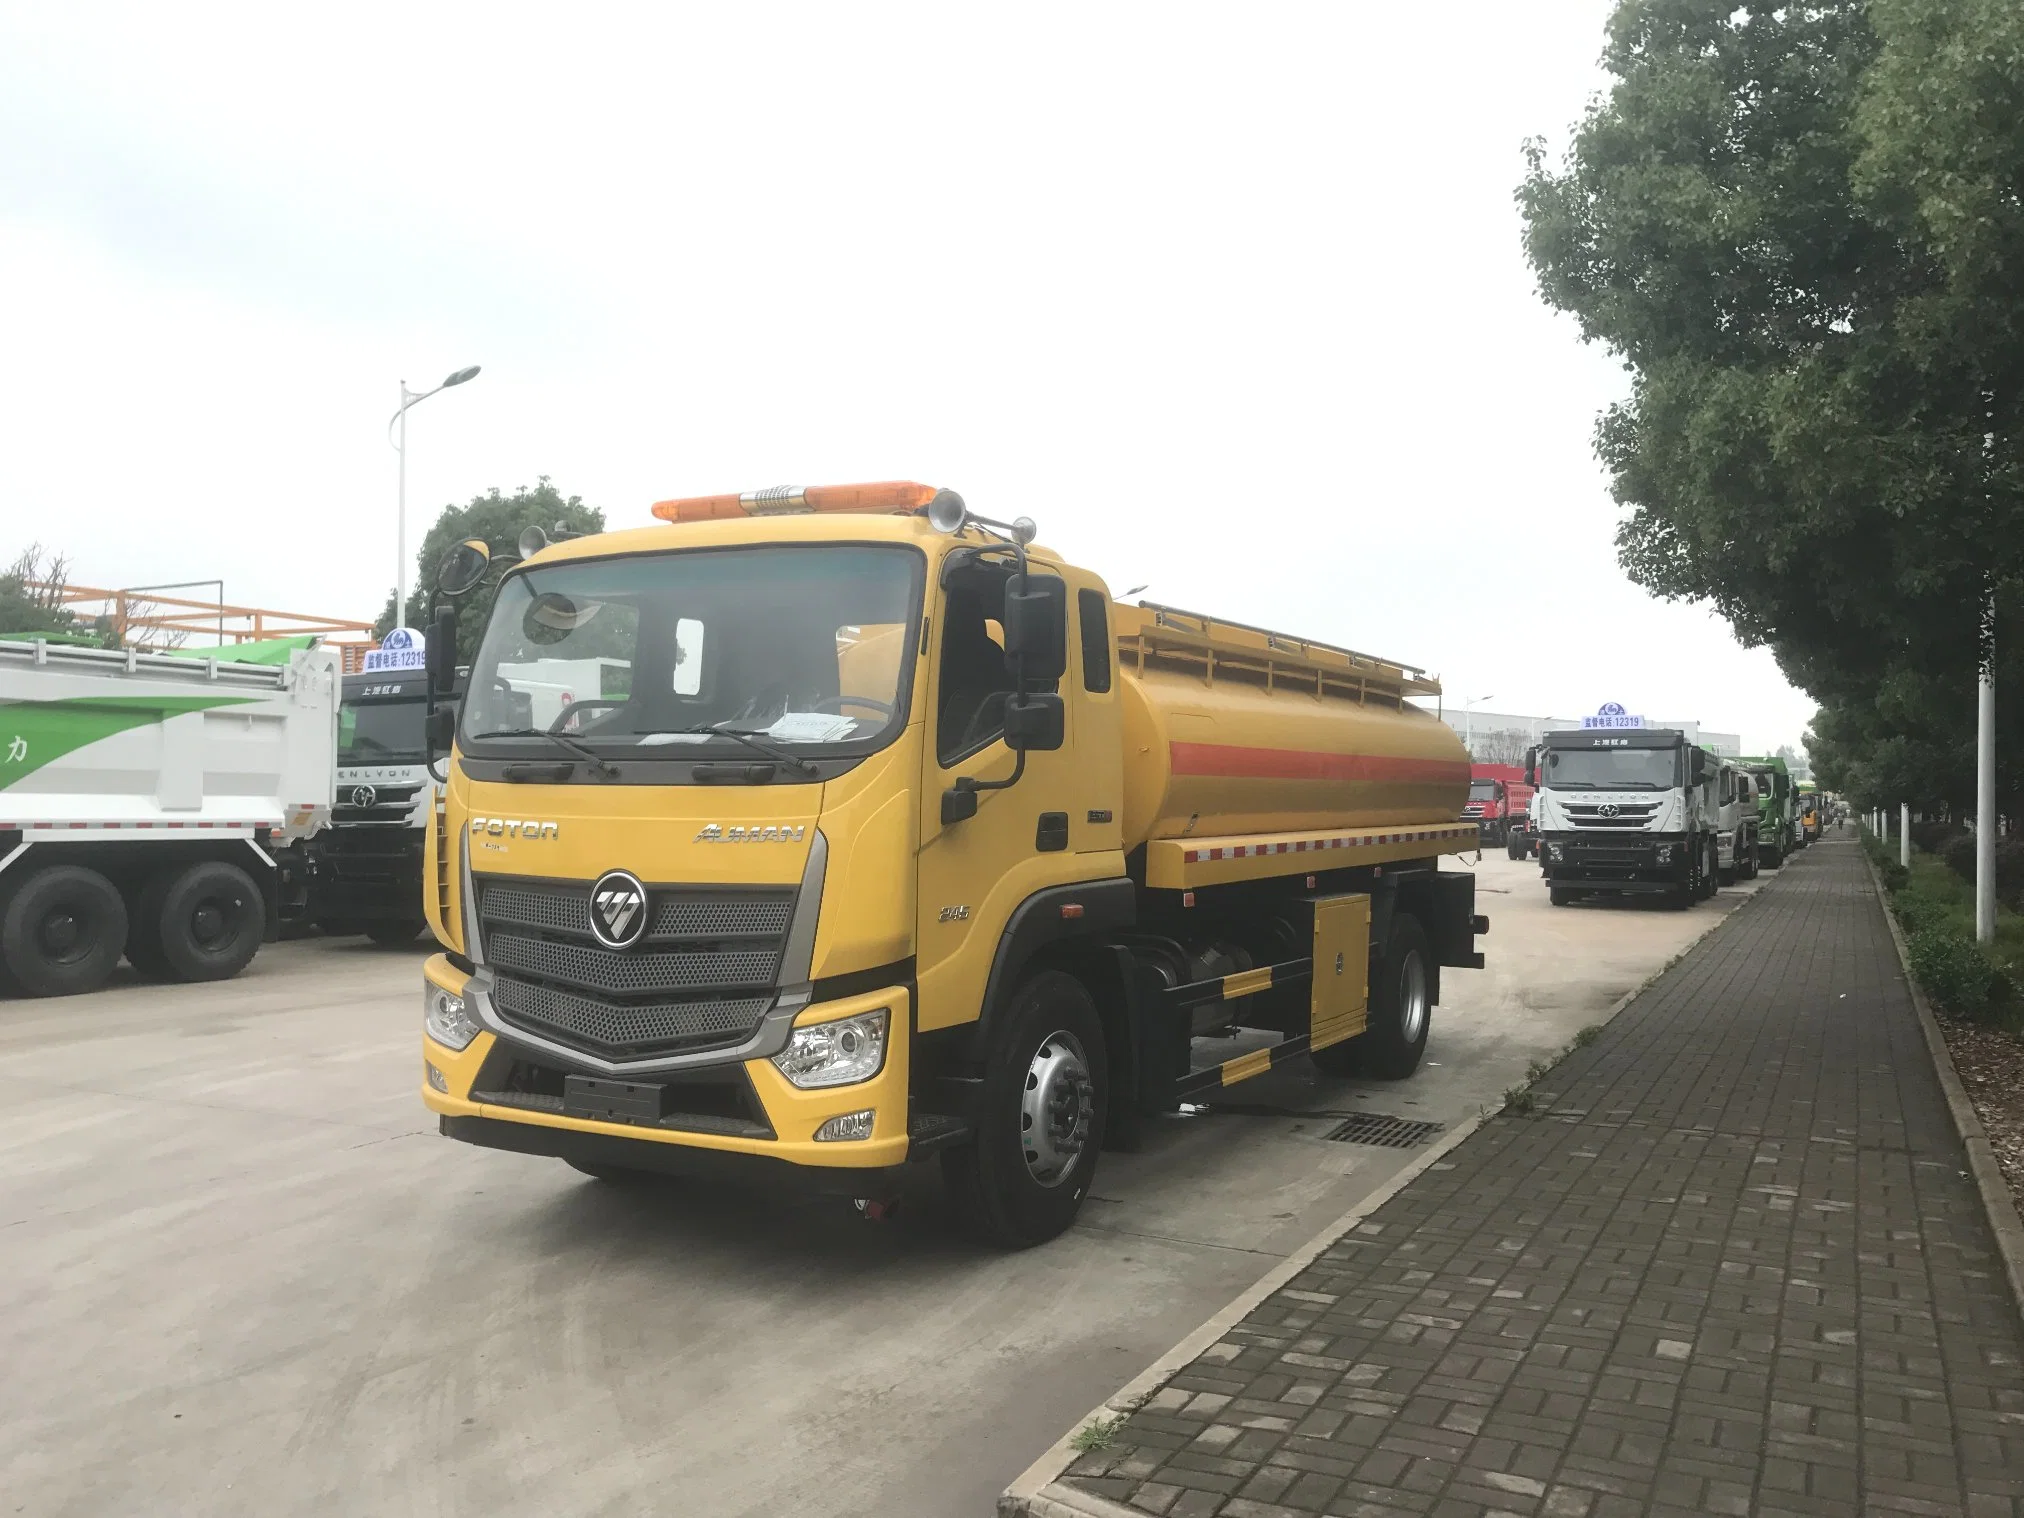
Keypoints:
(975, 683)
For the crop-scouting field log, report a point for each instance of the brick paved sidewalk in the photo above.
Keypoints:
(1734, 1265)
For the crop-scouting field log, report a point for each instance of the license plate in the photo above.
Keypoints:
(611, 1101)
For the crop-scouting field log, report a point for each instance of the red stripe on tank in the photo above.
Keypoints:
(1233, 761)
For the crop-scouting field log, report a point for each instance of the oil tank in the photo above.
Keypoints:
(1231, 730)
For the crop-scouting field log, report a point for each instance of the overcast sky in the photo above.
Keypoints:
(1231, 300)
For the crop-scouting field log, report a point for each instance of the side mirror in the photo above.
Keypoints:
(441, 729)
(1697, 769)
(463, 566)
(1034, 722)
(442, 654)
(1036, 627)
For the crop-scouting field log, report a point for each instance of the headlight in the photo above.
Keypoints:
(1553, 852)
(445, 1019)
(840, 1053)
(1664, 853)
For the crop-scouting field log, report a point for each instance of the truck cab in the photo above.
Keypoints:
(1729, 800)
(366, 867)
(1625, 812)
(1499, 802)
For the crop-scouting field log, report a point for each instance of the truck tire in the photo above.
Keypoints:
(1768, 857)
(1711, 871)
(144, 937)
(1514, 846)
(1394, 1036)
(1401, 1004)
(1040, 1117)
(62, 931)
(395, 932)
(210, 918)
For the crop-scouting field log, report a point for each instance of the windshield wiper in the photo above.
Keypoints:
(752, 741)
(598, 765)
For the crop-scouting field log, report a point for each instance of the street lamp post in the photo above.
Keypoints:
(399, 419)
(1469, 723)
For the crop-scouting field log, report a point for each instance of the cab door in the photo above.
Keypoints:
(975, 872)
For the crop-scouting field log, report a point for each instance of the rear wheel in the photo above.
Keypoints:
(62, 930)
(395, 931)
(1040, 1118)
(1401, 1011)
(1514, 846)
(210, 918)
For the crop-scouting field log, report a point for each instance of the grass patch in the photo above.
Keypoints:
(1097, 1434)
(1519, 1101)
(1936, 909)
(1588, 1035)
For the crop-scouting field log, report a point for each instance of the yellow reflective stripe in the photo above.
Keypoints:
(1257, 1062)
(1244, 984)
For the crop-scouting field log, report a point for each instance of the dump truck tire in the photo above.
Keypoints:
(394, 934)
(1040, 1117)
(62, 931)
(210, 916)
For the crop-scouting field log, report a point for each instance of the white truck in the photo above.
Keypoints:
(365, 869)
(1729, 800)
(1625, 813)
(152, 807)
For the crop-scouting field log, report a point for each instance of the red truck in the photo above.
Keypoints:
(1500, 803)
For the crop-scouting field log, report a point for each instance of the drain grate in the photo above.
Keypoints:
(1384, 1132)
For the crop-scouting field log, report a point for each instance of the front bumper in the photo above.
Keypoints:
(506, 1095)
(1616, 861)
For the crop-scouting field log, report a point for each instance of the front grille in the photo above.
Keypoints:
(391, 804)
(1623, 814)
(701, 977)
(630, 973)
(627, 1029)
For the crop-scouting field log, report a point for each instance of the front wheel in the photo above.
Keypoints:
(395, 932)
(1040, 1117)
(1560, 896)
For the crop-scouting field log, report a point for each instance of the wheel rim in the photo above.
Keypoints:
(1056, 1108)
(64, 935)
(1412, 998)
(214, 924)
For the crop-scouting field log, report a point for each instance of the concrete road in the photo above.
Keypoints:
(242, 1273)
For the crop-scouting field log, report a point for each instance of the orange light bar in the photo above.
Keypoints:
(884, 495)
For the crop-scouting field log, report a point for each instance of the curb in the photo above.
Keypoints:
(1997, 1203)
(1037, 1491)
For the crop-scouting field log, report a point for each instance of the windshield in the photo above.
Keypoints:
(381, 732)
(1482, 790)
(1611, 769)
(802, 645)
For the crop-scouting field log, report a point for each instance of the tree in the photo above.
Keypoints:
(1798, 226)
(499, 520)
(31, 599)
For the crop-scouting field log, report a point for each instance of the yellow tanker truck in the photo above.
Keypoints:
(888, 835)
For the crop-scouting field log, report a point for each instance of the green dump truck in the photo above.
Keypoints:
(1777, 811)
